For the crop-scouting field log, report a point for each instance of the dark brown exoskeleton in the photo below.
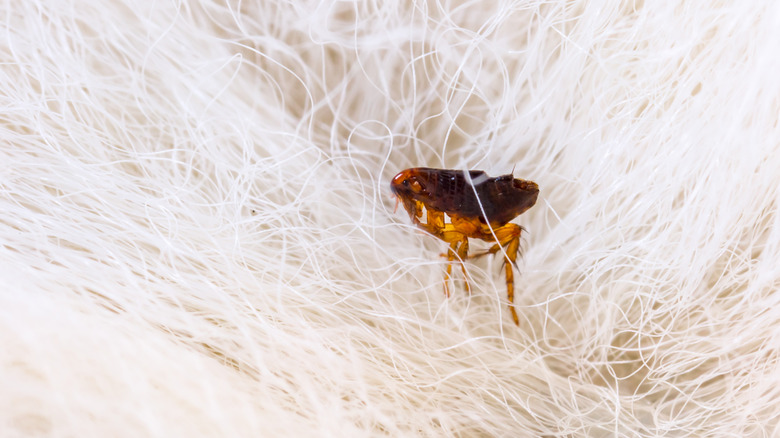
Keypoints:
(479, 207)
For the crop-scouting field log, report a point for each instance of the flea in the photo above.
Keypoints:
(479, 207)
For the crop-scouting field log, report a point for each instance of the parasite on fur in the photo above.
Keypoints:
(479, 207)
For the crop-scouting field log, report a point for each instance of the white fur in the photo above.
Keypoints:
(198, 237)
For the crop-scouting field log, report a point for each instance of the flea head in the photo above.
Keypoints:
(408, 184)
(527, 192)
(409, 188)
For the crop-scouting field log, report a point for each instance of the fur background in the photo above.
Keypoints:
(198, 237)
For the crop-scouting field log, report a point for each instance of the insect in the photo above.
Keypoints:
(479, 207)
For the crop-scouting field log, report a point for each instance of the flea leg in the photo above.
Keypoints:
(463, 251)
(459, 244)
(435, 220)
(434, 223)
(436, 226)
(509, 236)
(448, 273)
(493, 249)
(511, 256)
(459, 248)
(457, 252)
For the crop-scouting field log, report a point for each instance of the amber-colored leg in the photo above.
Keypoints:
(436, 226)
(457, 252)
(511, 256)
(448, 273)
(459, 243)
(463, 252)
(508, 236)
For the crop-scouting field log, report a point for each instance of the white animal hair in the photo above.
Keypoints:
(198, 237)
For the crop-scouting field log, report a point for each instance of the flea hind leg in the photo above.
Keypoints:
(509, 237)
